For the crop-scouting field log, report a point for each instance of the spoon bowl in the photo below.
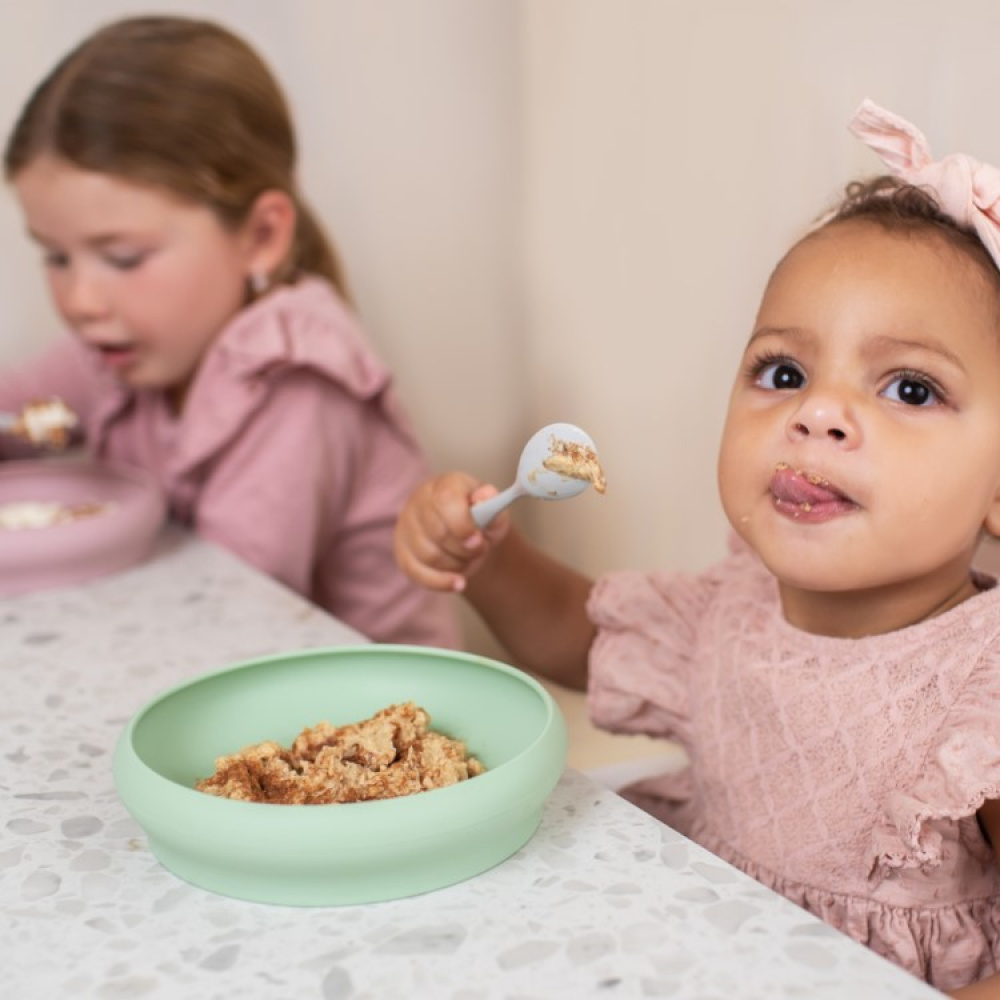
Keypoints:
(533, 479)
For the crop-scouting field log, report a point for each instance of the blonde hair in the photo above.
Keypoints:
(180, 104)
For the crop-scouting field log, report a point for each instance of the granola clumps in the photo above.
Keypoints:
(46, 422)
(578, 461)
(24, 514)
(391, 754)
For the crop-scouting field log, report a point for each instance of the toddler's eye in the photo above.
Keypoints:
(55, 260)
(780, 375)
(912, 390)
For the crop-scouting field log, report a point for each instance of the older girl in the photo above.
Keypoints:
(210, 334)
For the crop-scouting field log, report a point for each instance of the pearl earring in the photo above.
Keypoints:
(259, 282)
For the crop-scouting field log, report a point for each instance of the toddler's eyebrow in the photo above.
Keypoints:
(880, 344)
(884, 342)
(775, 331)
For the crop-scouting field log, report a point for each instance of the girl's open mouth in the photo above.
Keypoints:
(117, 356)
(806, 497)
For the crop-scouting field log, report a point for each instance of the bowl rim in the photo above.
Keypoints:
(553, 717)
(63, 465)
(145, 512)
(78, 550)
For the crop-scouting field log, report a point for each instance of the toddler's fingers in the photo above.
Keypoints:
(448, 519)
(483, 492)
(428, 532)
(431, 530)
(496, 529)
(433, 551)
(427, 562)
(429, 577)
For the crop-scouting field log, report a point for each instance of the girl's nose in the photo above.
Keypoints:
(824, 416)
(82, 298)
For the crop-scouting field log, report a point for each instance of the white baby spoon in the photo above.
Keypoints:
(533, 479)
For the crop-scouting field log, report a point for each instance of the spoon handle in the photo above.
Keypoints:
(484, 511)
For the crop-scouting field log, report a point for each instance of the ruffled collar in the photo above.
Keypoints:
(301, 326)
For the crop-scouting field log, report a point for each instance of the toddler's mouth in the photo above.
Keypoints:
(806, 496)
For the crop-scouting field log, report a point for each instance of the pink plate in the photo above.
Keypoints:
(74, 551)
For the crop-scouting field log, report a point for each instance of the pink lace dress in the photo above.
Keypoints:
(844, 774)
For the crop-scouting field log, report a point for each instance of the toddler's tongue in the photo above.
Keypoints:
(800, 488)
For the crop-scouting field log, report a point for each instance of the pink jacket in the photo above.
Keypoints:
(292, 452)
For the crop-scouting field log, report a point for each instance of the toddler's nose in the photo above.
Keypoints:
(824, 416)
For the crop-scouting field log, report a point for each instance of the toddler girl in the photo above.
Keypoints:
(211, 338)
(836, 679)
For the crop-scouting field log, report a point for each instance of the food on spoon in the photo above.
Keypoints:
(391, 754)
(25, 514)
(46, 422)
(578, 461)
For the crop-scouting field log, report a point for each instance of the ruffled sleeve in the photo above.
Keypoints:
(306, 325)
(959, 772)
(641, 659)
(297, 332)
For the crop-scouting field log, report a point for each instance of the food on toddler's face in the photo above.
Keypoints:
(391, 754)
(46, 422)
(577, 461)
(25, 514)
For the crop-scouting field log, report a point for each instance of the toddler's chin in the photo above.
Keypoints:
(816, 570)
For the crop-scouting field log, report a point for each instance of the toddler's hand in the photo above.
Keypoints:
(437, 544)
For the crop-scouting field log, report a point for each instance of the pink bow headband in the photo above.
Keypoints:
(965, 189)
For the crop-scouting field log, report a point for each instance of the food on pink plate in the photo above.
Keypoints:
(393, 753)
(46, 422)
(578, 461)
(27, 514)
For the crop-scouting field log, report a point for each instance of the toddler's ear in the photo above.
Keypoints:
(991, 524)
(269, 232)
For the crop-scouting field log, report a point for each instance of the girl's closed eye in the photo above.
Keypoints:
(119, 260)
(126, 260)
(774, 372)
(914, 388)
(54, 259)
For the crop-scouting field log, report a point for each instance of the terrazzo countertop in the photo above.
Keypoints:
(602, 902)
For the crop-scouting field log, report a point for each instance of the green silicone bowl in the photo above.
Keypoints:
(322, 855)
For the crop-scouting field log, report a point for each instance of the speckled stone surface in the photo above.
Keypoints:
(602, 902)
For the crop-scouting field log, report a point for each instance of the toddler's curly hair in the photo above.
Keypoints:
(903, 208)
